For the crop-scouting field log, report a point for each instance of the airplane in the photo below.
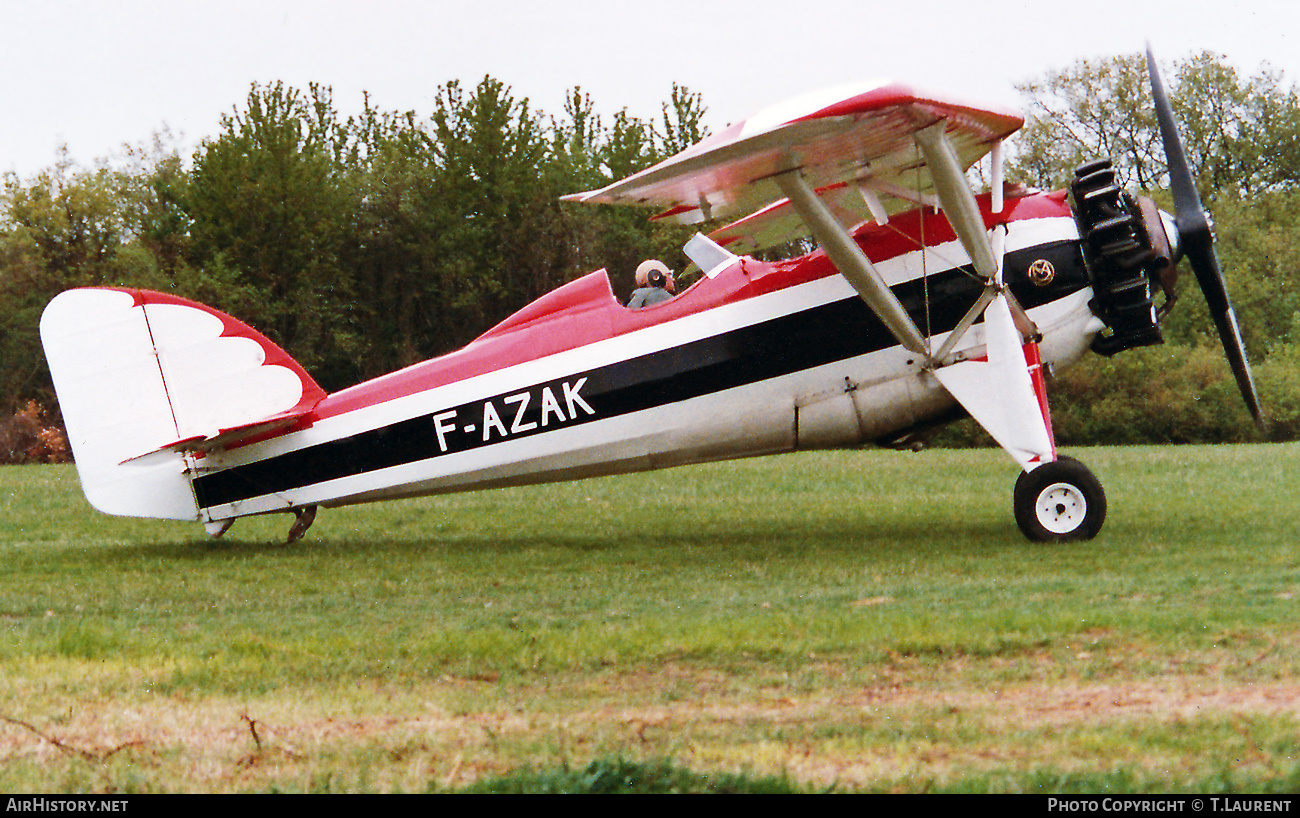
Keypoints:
(922, 303)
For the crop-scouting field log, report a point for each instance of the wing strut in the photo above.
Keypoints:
(852, 263)
(956, 197)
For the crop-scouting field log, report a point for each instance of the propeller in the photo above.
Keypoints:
(1196, 240)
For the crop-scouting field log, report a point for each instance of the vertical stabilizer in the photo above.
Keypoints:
(137, 372)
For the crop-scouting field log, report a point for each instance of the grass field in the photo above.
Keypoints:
(852, 621)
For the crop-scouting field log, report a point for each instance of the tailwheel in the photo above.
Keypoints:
(304, 517)
(218, 527)
(1060, 501)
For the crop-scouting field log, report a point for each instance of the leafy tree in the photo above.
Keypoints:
(70, 224)
(154, 191)
(682, 121)
(1095, 108)
(1238, 133)
(494, 215)
(594, 155)
(268, 201)
(63, 228)
(395, 242)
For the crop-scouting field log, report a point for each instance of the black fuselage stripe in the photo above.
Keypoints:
(832, 332)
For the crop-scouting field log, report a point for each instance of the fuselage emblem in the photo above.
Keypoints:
(1041, 272)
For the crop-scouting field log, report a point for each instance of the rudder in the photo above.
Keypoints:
(138, 371)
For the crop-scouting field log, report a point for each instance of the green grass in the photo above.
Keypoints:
(851, 621)
(618, 776)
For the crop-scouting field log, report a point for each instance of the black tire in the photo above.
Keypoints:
(1060, 501)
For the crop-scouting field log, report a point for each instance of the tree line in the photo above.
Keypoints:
(360, 244)
(367, 242)
(1242, 137)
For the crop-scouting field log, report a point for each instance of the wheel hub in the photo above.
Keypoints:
(1061, 508)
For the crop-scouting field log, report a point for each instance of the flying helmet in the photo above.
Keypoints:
(646, 275)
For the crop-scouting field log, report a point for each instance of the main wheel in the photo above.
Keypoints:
(1060, 501)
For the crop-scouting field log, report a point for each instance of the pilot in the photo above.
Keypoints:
(654, 285)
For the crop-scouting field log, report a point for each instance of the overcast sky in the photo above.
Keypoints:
(96, 75)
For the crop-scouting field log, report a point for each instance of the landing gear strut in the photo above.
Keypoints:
(1059, 501)
(305, 517)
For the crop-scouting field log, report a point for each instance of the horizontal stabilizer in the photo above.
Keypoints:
(227, 438)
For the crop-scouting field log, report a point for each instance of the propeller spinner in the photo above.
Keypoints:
(1196, 243)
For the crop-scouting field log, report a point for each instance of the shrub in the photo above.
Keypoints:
(30, 436)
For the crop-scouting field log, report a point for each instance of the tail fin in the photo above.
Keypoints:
(140, 372)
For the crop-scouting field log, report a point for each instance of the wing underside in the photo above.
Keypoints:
(856, 147)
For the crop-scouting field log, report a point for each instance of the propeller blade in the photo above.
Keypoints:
(1196, 238)
(1187, 202)
(1205, 263)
